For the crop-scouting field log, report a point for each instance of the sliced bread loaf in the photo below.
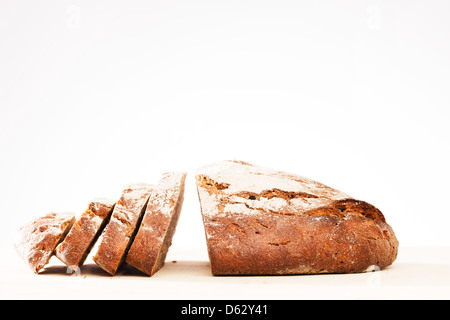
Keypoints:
(122, 227)
(154, 237)
(85, 231)
(35, 242)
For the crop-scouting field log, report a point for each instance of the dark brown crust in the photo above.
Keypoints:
(86, 230)
(342, 236)
(154, 237)
(324, 241)
(121, 229)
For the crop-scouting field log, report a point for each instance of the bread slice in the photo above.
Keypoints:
(260, 221)
(85, 231)
(150, 246)
(120, 232)
(36, 241)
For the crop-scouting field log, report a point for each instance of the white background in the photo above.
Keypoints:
(98, 94)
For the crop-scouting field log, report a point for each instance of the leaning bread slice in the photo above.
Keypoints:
(263, 221)
(150, 246)
(122, 227)
(36, 241)
(85, 231)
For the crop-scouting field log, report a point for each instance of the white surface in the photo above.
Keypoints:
(418, 273)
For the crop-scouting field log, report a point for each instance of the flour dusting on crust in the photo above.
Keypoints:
(247, 189)
(36, 240)
(166, 192)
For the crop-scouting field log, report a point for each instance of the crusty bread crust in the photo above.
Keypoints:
(36, 241)
(154, 237)
(259, 221)
(122, 227)
(85, 231)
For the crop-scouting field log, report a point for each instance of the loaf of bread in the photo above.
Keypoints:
(260, 221)
(122, 227)
(78, 243)
(36, 241)
(154, 237)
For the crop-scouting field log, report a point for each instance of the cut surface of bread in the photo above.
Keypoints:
(122, 227)
(35, 242)
(85, 231)
(260, 221)
(154, 237)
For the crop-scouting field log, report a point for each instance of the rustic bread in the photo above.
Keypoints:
(260, 221)
(122, 227)
(154, 237)
(85, 231)
(36, 241)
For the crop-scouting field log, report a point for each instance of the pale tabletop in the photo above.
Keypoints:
(418, 273)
